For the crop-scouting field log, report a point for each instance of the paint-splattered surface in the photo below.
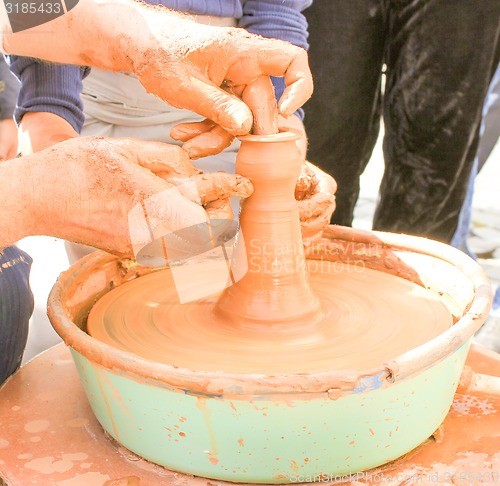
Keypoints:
(49, 436)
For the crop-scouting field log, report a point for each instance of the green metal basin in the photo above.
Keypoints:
(279, 429)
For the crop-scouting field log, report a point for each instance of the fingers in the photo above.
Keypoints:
(315, 193)
(213, 190)
(299, 85)
(216, 186)
(211, 142)
(259, 97)
(219, 210)
(277, 58)
(201, 138)
(315, 206)
(327, 183)
(163, 159)
(307, 183)
(315, 214)
(186, 131)
(212, 102)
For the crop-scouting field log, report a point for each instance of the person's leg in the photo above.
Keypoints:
(16, 307)
(489, 132)
(441, 57)
(461, 234)
(491, 121)
(342, 118)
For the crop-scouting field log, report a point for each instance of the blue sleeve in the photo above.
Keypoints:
(8, 91)
(16, 307)
(47, 87)
(279, 19)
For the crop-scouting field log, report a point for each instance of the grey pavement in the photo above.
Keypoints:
(50, 257)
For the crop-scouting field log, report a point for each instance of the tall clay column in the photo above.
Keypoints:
(275, 288)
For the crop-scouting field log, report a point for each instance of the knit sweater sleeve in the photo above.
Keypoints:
(279, 19)
(47, 87)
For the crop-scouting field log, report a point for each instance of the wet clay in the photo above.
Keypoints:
(285, 315)
(369, 317)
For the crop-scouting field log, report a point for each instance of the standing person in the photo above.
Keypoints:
(489, 134)
(440, 57)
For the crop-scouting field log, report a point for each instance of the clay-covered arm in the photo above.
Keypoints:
(185, 63)
(88, 190)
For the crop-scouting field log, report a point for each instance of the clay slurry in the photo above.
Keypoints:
(369, 317)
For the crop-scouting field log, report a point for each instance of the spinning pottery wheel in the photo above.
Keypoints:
(280, 375)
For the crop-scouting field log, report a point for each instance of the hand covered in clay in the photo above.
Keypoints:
(91, 191)
(202, 68)
(213, 68)
(315, 194)
(206, 137)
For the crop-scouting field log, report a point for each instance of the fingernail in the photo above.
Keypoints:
(193, 153)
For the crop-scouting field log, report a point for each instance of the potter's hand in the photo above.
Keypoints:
(38, 131)
(315, 193)
(93, 190)
(8, 139)
(201, 69)
(211, 190)
(206, 137)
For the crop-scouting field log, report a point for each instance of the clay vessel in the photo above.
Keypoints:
(274, 288)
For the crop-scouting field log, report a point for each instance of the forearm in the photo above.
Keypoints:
(38, 131)
(16, 186)
(108, 34)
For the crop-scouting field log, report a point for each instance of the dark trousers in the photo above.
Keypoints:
(16, 307)
(440, 56)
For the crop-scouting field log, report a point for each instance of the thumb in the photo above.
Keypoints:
(167, 159)
(212, 102)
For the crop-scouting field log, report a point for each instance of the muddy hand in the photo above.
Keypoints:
(211, 190)
(214, 65)
(315, 194)
(259, 97)
(102, 192)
